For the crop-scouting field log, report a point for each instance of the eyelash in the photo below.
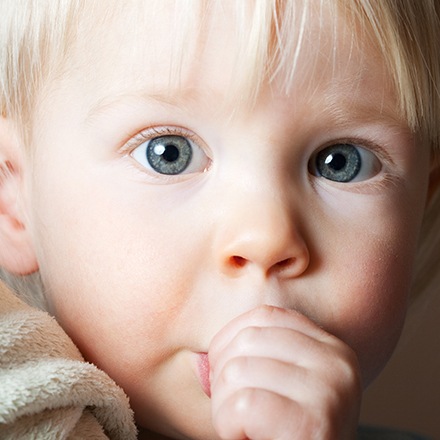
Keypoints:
(373, 147)
(163, 130)
(152, 132)
(383, 179)
(149, 134)
(380, 152)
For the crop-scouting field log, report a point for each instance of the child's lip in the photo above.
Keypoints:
(203, 373)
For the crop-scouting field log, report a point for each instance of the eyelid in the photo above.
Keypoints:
(163, 130)
(386, 177)
(368, 145)
(386, 170)
(148, 134)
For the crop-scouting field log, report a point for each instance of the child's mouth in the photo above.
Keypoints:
(203, 370)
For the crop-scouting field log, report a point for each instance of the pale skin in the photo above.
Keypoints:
(294, 285)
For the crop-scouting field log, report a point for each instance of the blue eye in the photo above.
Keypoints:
(345, 163)
(171, 155)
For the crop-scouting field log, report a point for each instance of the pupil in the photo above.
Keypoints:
(171, 153)
(337, 161)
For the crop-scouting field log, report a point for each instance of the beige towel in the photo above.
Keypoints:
(47, 391)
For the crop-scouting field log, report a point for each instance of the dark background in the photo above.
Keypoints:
(407, 393)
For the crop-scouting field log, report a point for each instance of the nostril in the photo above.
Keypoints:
(287, 267)
(237, 261)
(284, 263)
(236, 265)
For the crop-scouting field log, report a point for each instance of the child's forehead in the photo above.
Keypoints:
(167, 49)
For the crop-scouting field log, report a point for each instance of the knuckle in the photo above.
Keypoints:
(235, 416)
(247, 339)
(350, 370)
(242, 403)
(234, 371)
(345, 366)
(265, 312)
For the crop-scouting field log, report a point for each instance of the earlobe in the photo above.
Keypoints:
(16, 251)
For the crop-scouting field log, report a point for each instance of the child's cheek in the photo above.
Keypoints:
(373, 302)
(368, 245)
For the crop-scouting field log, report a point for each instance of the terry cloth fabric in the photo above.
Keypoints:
(47, 391)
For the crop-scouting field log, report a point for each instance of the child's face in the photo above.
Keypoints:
(144, 269)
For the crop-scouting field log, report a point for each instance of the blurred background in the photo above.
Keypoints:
(407, 393)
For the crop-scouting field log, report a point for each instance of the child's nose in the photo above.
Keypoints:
(262, 236)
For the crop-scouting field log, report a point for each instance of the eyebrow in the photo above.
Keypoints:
(368, 114)
(178, 99)
(345, 110)
(182, 98)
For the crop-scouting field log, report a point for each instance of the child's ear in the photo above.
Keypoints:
(16, 250)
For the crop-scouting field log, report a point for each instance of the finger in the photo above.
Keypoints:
(290, 347)
(260, 373)
(258, 414)
(265, 316)
(321, 388)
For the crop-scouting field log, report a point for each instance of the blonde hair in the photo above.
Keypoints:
(36, 35)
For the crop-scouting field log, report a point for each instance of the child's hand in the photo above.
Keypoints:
(276, 375)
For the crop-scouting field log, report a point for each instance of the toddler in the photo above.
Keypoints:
(223, 199)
